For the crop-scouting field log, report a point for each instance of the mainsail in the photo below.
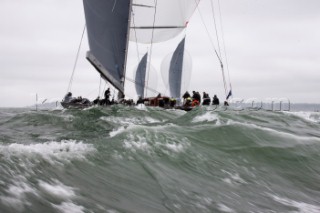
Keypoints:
(140, 77)
(108, 27)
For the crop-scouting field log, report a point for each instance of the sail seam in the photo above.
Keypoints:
(158, 27)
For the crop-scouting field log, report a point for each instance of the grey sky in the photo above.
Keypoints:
(272, 48)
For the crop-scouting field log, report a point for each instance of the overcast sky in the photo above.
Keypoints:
(272, 46)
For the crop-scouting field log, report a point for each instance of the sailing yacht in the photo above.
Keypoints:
(111, 25)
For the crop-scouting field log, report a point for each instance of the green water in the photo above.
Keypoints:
(127, 159)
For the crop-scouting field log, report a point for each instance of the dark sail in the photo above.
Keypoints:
(140, 78)
(175, 70)
(107, 26)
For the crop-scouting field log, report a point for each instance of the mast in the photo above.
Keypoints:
(121, 94)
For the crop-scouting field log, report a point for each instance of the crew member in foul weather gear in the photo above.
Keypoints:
(172, 102)
(107, 94)
(97, 100)
(188, 102)
(195, 102)
(68, 98)
(196, 96)
(186, 95)
(215, 100)
(206, 99)
(140, 100)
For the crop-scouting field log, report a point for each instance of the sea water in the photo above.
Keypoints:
(139, 159)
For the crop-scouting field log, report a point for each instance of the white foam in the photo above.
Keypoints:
(50, 151)
(117, 131)
(309, 116)
(303, 207)
(176, 147)
(141, 107)
(129, 124)
(16, 194)
(227, 180)
(112, 211)
(140, 144)
(69, 207)
(129, 121)
(208, 116)
(151, 120)
(57, 189)
(224, 208)
(284, 134)
(234, 178)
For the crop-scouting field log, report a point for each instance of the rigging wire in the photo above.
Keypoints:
(99, 86)
(206, 28)
(76, 61)
(135, 34)
(224, 46)
(146, 87)
(215, 51)
(215, 27)
(151, 44)
(218, 42)
(104, 88)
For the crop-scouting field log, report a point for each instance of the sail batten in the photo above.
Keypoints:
(142, 5)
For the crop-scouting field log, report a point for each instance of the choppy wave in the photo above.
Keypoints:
(133, 159)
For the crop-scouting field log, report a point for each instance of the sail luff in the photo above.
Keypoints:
(126, 51)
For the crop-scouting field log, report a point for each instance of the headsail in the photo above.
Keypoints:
(140, 77)
(161, 20)
(176, 70)
(108, 27)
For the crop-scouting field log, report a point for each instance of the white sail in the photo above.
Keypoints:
(107, 24)
(160, 20)
(176, 70)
